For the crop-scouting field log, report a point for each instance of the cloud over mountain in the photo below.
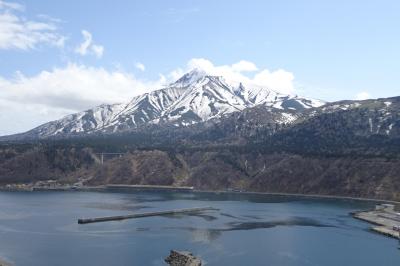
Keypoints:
(52, 94)
(245, 72)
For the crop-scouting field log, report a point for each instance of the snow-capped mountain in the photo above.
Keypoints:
(195, 97)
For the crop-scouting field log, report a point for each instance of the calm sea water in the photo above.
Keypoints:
(41, 228)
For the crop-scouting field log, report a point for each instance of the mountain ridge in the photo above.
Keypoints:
(195, 97)
(346, 148)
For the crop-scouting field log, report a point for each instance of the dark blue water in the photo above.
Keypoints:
(41, 228)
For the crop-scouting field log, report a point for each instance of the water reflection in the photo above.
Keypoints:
(13, 216)
(211, 234)
(252, 217)
(294, 221)
(162, 195)
(230, 216)
(204, 235)
(206, 217)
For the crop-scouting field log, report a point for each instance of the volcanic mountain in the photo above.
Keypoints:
(195, 97)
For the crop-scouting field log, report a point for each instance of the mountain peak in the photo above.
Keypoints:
(191, 77)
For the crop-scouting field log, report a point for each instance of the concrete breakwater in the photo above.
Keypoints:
(141, 215)
(385, 219)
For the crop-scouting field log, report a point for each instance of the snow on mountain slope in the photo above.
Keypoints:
(271, 98)
(195, 97)
(87, 121)
(207, 97)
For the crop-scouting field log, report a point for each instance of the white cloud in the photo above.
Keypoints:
(279, 80)
(74, 87)
(52, 94)
(140, 66)
(11, 6)
(244, 66)
(84, 46)
(98, 50)
(49, 95)
(363, 96)
(88, 47)
(17, 32)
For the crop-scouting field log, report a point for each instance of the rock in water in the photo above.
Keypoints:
(182, 258)
(3, 263)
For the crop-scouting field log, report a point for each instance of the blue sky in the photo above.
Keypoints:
(333, 49)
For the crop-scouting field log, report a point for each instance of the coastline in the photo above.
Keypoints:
(302, 195)
(113, 187)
